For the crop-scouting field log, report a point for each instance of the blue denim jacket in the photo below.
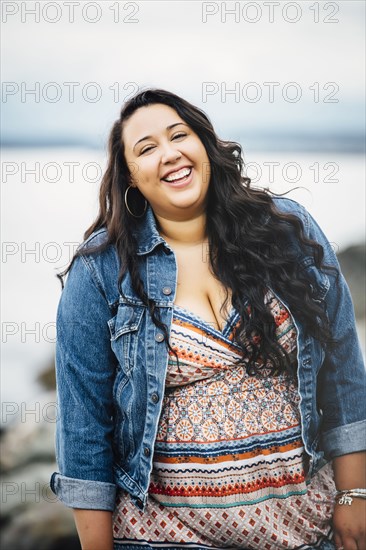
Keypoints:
(111, 363)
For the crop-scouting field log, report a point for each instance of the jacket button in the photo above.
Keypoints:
(147, 451)
(167, 290)
(154, 398)
(159, 337)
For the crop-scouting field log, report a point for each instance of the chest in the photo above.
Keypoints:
(198, 290)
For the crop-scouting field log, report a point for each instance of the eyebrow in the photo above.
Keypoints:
(167, 128)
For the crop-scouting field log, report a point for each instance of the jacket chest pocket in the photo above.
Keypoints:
(125, 330)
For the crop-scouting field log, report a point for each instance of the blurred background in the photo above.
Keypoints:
(285, 79)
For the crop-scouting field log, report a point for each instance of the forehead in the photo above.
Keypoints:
(148, 121)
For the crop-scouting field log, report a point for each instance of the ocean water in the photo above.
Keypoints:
(50, 197)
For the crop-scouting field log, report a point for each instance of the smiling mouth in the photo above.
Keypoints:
(178, 177)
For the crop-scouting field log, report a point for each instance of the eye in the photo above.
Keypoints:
(146, 149)
(179, 135)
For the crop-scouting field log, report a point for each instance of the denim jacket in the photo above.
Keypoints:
(111, 362)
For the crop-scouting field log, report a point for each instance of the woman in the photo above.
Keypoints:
(210, 379)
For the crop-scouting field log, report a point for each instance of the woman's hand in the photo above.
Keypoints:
(349, 521)
(349, 524)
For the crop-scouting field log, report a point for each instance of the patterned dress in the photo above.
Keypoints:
(229, 462)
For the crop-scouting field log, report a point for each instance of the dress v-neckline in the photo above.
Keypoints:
(206, 324)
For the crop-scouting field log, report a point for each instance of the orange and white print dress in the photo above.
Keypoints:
(229, 462)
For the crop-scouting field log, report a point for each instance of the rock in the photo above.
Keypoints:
(32, 515)
(33, 518)
(47, 378)
(26, 487)
(42, 527)
(30, 437)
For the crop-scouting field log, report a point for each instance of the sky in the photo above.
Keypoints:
(259, 69)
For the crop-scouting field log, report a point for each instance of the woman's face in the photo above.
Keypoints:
(167, 161)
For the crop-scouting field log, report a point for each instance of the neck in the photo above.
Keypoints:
(184, 232)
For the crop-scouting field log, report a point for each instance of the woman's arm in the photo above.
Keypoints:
(341, 381)
(94, 529)
(350, 471)
(342, 385)
(85, 374)
(349, 521)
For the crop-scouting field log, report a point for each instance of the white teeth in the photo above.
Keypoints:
(178, 175)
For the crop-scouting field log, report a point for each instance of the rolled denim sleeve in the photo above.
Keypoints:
(81, 493)
(342, 378)
(85, 366)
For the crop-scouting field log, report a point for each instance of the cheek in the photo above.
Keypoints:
(206, 167)
(133, 167)
(203, 158)
(145, 172)
(206, 172)
(134, 171)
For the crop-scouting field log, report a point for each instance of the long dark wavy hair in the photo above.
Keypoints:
(248, 238)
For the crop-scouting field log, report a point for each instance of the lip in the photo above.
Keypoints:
(175, 170)
(184, 183)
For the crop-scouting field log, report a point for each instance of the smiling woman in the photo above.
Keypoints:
(170, 158)
(240, 430)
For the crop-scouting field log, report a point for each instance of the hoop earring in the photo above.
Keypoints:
(128, 208)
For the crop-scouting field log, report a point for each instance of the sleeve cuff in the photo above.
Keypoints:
(82, 493)
(344, 440)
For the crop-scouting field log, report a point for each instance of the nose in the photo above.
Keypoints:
(170, 153)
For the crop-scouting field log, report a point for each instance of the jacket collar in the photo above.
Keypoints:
(147, 234)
